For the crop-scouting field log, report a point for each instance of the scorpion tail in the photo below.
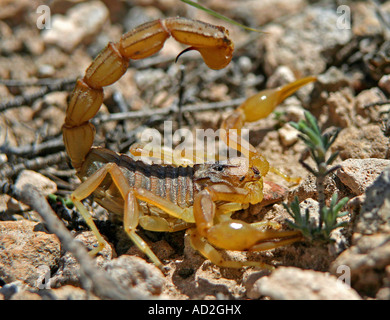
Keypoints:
(211, 41)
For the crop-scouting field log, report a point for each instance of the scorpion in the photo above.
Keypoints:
(168, 198)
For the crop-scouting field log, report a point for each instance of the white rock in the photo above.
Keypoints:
(384, 83)
(82, 21)
(289, 283)
(45, 185)
(288, 135)
(358, 174)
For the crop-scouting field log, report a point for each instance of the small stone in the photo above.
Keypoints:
(332, 80)
(9, 289)
(245, 64)
(39, 181)
(68, 272)
(134, 272)
(368, 97)
(358, 174)
(366, 142)
(369, 255)
(288, 135)
(289, 283)
(293, 109)
(250, 280)
(26, 250)
(384, 83)
(341, 108)
(26, 295)
(305, 42)
(45, 185)
(46, 70)
(218, 92)
(81, 22)
(280, 77)
(259, 12)
(70, 293)
(365, 19)
(366, 259)
(307, 189)
(374, 216)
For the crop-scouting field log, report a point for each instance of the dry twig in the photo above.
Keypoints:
(9, 170)
(25, 99)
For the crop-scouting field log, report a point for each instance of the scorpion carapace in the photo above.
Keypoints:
(170, 198)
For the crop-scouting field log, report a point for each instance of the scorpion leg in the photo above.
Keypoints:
(88, 219)
(131, 210)
(166, 155)
(185, 214)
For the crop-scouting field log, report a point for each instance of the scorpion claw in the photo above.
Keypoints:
(254, 108)
(260, 105)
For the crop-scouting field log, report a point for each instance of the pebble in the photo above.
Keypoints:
(288, 135)
(135, 272)
(9, 289)
(374, 216)
(280, 77)
(68, 292)
(290, 283)
(68, 271)
(369, 254)
(384, 83)
(39, 181)
(26, 250)
(341, 108)
(367, 97)
(304, 41)
(359, 174)
(245, 64)
(365, 142)
(45, 185)
(81, 22)
(365, 19)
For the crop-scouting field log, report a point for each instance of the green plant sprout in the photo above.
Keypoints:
(318, 145)
(65, 201)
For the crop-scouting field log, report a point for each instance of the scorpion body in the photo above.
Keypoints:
(174, 183)
(169, 198)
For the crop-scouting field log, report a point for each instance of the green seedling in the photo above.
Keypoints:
(318, 144)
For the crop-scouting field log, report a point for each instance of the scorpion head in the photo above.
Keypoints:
(233, 171)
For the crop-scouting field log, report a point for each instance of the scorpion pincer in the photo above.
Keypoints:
(169, 198)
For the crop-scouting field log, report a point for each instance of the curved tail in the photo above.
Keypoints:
(211, 41)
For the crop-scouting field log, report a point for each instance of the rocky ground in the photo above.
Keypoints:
(347, 46)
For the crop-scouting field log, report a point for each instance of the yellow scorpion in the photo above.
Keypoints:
(200, 198)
